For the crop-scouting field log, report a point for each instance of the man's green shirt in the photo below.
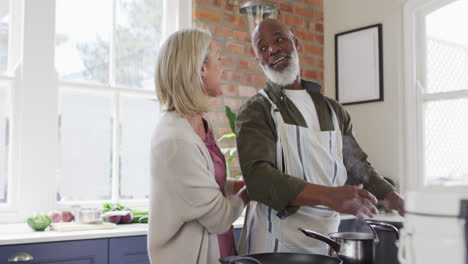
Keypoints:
(256, 139)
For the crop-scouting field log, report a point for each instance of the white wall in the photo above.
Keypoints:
(378, 126)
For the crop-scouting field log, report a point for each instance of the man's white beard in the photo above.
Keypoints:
(288, 75)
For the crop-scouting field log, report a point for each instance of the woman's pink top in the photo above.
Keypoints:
(227, 246)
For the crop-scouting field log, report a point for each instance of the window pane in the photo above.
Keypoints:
(138, 119)
(4, 31)
(447, 48)
(85, 146)
(446, 147)
(138, 34)
(4, 143)
(83, 30)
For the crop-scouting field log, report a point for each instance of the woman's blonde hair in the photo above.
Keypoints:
(179, 86)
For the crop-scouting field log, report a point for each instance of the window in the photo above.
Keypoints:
(5, 90)
(105, 128)
(438, 102)
(77, 103)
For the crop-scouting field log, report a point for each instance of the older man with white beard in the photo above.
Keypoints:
(297, 152)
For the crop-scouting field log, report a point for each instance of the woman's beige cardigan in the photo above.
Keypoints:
(187, 208)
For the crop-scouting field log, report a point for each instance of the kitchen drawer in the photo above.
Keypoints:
(128, 250)
(69, 252)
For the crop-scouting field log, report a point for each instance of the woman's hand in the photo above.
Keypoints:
(238, 184)
(244, 195)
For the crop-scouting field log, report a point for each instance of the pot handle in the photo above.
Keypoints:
(373, 224)
(333, 244)
(238, 259)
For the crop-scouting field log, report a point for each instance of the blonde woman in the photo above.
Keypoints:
(192, 204)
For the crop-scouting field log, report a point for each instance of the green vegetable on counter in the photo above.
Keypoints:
(39, 222)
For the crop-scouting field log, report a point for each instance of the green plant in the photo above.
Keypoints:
(231, 116)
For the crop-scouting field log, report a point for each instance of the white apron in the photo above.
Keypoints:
(315, 156)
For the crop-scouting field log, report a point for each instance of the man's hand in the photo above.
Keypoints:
(353, 200)
(393, 201)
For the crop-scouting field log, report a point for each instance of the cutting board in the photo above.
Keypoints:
(66, 227)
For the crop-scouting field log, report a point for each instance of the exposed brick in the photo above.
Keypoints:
(319, 15)
(223, 4)
(256, 79)
(307, 61)
(215, 102)
(228, 62)
(235, 163)
(234, 76)
(250, 51)
(200, 24)
(223, 32)
(286, 7)
(202, 2)
(320, 64)
(218, 118)
(250, 65)
(304, 12)
(208, 15)
(218, 44)
(304, 35)
(229, 90)
(310, 75)
(319, 27)
(234, 20)
(242, 36)
(235, 48)
(234, 104)
(317, 3)
(319, 39)
(247, 91)
(294, 21)
(223, 131)
(313, 50)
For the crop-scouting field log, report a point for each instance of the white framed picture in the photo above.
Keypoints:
(359, 66)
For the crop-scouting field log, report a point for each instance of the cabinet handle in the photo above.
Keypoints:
(20, 257)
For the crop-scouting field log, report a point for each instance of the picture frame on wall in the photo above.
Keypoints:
(359, 65)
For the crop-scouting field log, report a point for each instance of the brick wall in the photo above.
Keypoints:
(242, 76)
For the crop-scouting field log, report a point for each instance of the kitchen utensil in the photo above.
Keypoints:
(352, 247)
(280, 258)
(95, 215)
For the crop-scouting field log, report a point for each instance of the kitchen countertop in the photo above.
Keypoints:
(11, 234)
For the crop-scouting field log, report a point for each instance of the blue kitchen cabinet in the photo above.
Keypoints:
(124, 250)
(68, 252)
(95, 251)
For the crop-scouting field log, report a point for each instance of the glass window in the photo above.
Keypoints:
(83, 32)
(445, 96)
(115, 49)
(138, 120)
(4, 143)
(4, 33)
(85, 146)
(138, 34)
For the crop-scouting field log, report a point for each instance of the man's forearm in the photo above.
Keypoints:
(311, 195)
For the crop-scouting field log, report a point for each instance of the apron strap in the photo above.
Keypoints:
(276, 116)
(336, 125)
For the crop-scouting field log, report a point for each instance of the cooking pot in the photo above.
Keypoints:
(352, 247)
(280, 258)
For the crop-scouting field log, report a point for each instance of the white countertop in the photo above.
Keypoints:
(11, 234)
